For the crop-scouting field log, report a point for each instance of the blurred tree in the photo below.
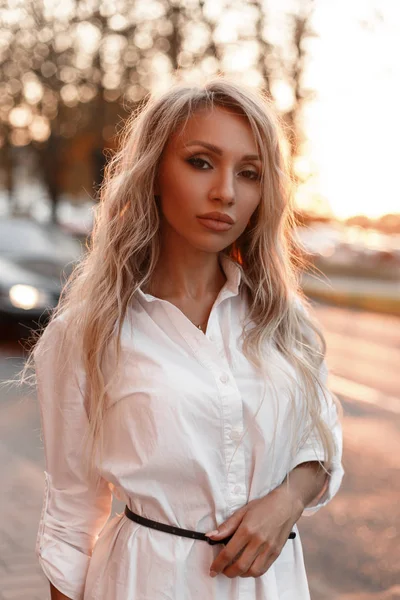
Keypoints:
(301, 32)
(70, 72)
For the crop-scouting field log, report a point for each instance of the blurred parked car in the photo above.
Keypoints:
(351, 251)
(35, 261)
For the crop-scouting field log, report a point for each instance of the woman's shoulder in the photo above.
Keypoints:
(57, 324)
(55, 334)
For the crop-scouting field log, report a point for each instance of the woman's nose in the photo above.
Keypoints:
(224, 188)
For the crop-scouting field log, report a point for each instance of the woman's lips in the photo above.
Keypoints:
(215, 225)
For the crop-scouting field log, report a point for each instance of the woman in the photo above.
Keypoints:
(182, 371)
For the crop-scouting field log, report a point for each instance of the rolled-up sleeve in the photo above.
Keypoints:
(75, 508)
(312, 450)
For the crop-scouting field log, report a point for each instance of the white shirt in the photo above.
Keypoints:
(175, 416)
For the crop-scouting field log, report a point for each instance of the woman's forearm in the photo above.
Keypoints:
(308, 482)
(56, 594)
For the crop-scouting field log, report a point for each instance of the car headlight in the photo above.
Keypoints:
(28, 297)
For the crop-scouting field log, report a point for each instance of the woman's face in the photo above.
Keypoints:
(211, 165)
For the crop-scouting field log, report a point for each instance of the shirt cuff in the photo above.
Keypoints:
(331, 486)
(64, 566)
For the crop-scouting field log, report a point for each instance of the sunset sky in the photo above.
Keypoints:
(354, 126)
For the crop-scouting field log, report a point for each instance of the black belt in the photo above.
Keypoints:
(178, 531)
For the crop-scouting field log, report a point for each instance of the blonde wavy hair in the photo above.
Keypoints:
(125, 247)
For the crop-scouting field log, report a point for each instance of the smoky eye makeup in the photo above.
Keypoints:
(201, 164)
(255, 175)
(195, 160)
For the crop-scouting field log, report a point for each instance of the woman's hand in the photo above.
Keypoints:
(261, 528)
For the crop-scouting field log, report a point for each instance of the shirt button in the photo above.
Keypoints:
(235, 434)
(237, 489)
(211, 338)
(224, 377)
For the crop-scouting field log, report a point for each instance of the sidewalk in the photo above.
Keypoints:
(367, 294)
(21, 498)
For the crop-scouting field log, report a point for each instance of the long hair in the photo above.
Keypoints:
(125, 247)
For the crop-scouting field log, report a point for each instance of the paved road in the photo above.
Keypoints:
(351, 546)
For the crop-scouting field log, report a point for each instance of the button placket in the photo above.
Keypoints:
(232, 419)
(236, 478)
(234, 451)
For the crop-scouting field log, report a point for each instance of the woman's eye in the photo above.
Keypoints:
(195, 162)
(252, 175)
(199, 163)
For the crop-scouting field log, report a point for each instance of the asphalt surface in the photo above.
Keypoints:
(351, 546)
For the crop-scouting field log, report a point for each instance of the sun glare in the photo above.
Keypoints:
(353, 125)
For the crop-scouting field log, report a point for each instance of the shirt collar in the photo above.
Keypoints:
(231, 287)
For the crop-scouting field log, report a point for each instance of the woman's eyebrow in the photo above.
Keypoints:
(218, 150)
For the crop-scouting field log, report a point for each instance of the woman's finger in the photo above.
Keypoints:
(263, 562)
(259, 566)
(227, 556)
(242, 563)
